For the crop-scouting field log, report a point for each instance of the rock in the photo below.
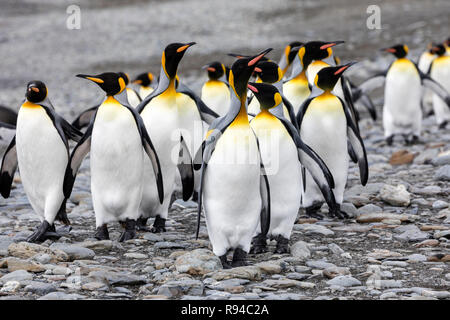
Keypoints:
(416, 258)
(14, 264)
(62, 296)
(176, 288)
(95, 286)
(402, 157)
(40, 288)
(60, 270)
(413, 234)
(333, 272)
(249, 272)
(198, 262)
(300, 249)
(25, 250)
(319, 264)
(439, 257)
(369, 208)
(378, 217)
(287, 283)
(169, 245)
(74, 252)
(381, 254)
(396, 196)
(268, 267)
(443, 173)
(344, 281)
(439, 204)
(313, 229)
(4, 244)
(427, 243)
(11, 287)
(335, 248)
(230, 285)
(19, 275)
(350, 209)
(441, 159)
(152, 237)
(116, 278)
(442, 234)
(135, 255)
(428, 190)
(105, 245)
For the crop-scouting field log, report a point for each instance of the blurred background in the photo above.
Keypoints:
(129, 36)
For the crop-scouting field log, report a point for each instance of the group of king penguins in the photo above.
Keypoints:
(251, 150)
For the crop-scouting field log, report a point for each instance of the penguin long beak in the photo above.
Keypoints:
(391, 50)
(187, 45)
(330, 44)
(258, 57)
(252, 88)
(92, 78)
(343, 68)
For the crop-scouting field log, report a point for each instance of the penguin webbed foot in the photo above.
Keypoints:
(336, 212)
(282, 245)
(101, 233)
(141, 224)
(311, 211)
(443, 125)
(239, 258)
(130, 230)
(225, 263)
(410, 140)
(259, 244)
(159, 225)
(389, 140)
(43, 232)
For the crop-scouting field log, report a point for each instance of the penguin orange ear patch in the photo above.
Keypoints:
(211, 69)
(181, 49)
(35, 89)
(96, 80)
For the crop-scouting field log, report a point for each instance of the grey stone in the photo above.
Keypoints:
(19, 275)
(413, 234)
(443, 173)
(40, 288)
(62, 296)
(313, 229)
(198, 262)
(439, 204)
(441, 160)
(370, 208)
(74, 252)
(169, 245)
(176, 288)
(344, 281)
(117, 278)
(396, 196)
(319, 264)
(300, 249)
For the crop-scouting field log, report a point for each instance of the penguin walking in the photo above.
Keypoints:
(144, 82)
(41, 151)
(234, 187)
(403, 81)
(161, 115)
(283, 153)
(215, 91)
(326, 125)
(116, 139)
(440, 72)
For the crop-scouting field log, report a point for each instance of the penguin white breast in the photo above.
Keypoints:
(42, 156)
(145, 91)
(216, 95)
(296, 91)
(440, 72)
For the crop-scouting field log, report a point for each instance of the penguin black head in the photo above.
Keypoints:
(268, 71)
(144, 79)
(267, 95)
(399, 50)
(291, 50)
(172, 56)
(438, 49)
(112, 83)
(316, 50)
(36, 91)
(327, 77)
(125, 77)
(242, 70)
(215, 70)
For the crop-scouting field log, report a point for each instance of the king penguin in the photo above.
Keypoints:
(326, 125)
(40, 149)
(234, 187)
(215, 91)
(403, 82)
(133, 96)
(440, 71)
(161, 116)
(283, 153)
(423, 64)
(144, 82)
(116, 139)
(288, 56)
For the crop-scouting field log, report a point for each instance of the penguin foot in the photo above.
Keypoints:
(195, 196)
(141, 224)
(101, 233)
(43, 232)
(130, 230)
(389, 140)
(224, 261)
(159, 225)
(336, 212)
(410, 141)
(259, 244)
(311, 211)
(443, 125)
(239, 258)
(62, 214)
(282, 245)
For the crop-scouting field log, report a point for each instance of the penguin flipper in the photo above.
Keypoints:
(85, 118)
(367, 102)
(301, 112)
(434, 86)
(349, 101)
(70, 131)
(373, 82)
(77, 156)
(9, 167)
(358, 147)
(291, 112)
(206, 113)
(186, 170)
(351, 152)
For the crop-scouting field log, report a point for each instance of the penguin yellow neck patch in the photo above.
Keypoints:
(242, 117)
(28, 104)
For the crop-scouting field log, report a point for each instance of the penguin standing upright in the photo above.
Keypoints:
(133, 97)
(215, 91)
(282, 151)
(326, 125)
(440, 71)
(423, 64)
(234, 187)
(402, 113)
(288, 56)
(144, 82)
(41, 151)
(116, 139)
(161, 116)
